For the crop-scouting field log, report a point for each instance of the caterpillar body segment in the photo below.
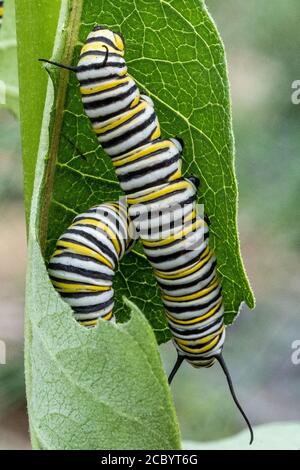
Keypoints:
(83, 264)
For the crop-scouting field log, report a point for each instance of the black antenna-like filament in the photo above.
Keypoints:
(106, 56)
(62, 66)
(70, 67)
(222, 363)
(178, 363)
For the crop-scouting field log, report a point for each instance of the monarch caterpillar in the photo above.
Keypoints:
(1, 11)
(83, 264)
(149, 172)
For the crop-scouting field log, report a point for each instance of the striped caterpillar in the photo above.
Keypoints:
(83, 264)
(162, 203)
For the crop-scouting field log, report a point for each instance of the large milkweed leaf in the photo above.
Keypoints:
(103, 388)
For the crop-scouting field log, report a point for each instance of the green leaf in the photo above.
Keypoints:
(9, 91)
(102, 388)
(36, 27)
(274, 436)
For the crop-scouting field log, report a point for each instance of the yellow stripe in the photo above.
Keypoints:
(82, 250)
(174, 237)
(135, 101)
(57, 252)
(94, 322)
(97, 223)
(121, 120)
(108, 316)
(177, 174)
(121, 212)
(132, 156)
(209, 314)
(1, 11)
(103, 87)
(98, 46)
(186, 272)
(196, 295)
(89, 322)
(65, 287)
(162, 192)
(204, 340)
(200, 350)
(157, 133)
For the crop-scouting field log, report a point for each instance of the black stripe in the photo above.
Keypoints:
(98, 65)
(144, 171)
(93, 308)
(92, 239)
(199, 330)
(120, 85)
(127, 135)
(71, 282)
(175, 242)
(199, 346)
(118, 226)
(94, 65)
(70, 254)
(194, 308)
(109, 101)
(132, 118)
(175, 287)
(83, 295)
(163, 180)
(189, 200)
(76, 270)
(158, 230)
(175, 255)
(95, 80)
(103, 39)
(104, 248)
(148, 155)
(178, 327)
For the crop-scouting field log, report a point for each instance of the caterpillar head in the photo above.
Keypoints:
(114, 41)
(104, 49)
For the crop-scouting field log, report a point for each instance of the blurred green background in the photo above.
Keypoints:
(262, 43)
